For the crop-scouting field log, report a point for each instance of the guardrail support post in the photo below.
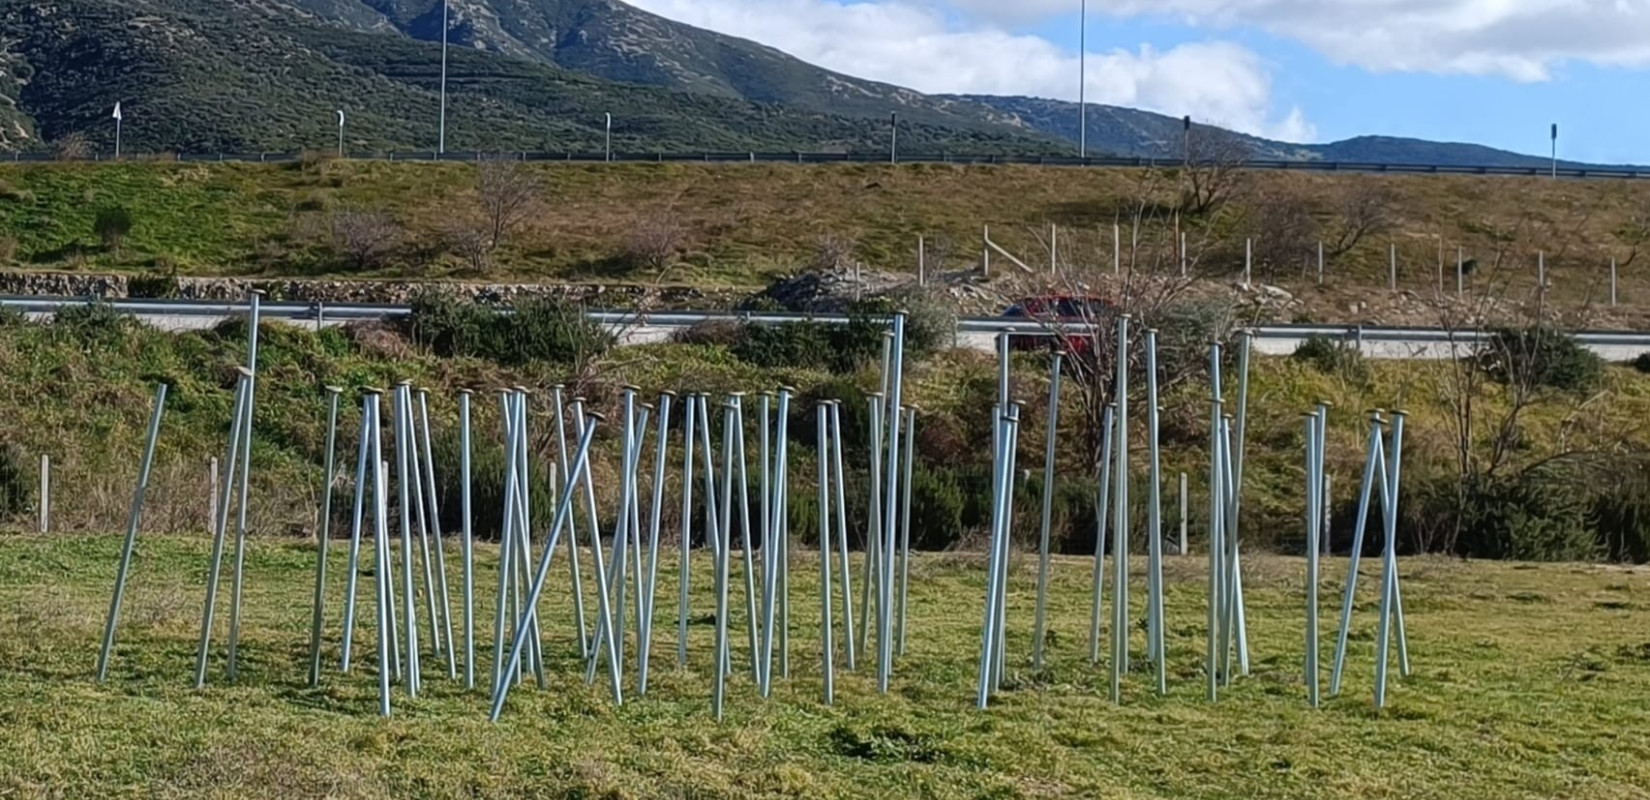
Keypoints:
(45, 492)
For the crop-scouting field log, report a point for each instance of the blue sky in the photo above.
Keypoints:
(1495, 72)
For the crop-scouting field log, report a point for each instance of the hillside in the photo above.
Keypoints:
(194, 75)
(740, 226)
(1144, 134)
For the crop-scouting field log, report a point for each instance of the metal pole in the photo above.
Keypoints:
(1101, 507)
(1313, 484)
(573, 540)
(922, 262)
(467, 542)
(686, 538)
(826, 648)
(1374, 470)
(1116, 249)
(886, 583)
(767, 526)
(131, 533)
(1389, 571)
(323, 538)
(1082, 81)
(905, 522)
(441, 141)
(220, 526)
(1120, 520)
(782, 530)
(1053, 248)
(644, 631)
(1041, 617)
(403, 479)
(849, 652)
(1248, 260)
(431, 501)
(721, 672)
(1460, 268)
(254, 298)
(1154, 522)
(609, 145)
(1183, 254)
(1217, 548)
(1320, 263)
(371, 446)
(352, 574)
(340, 133)
(1612, 283)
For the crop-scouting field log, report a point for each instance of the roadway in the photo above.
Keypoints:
(978, 333)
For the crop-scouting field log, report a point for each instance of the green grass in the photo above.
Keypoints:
(742, 225)
(1526, 684)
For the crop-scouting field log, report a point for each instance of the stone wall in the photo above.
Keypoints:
(113, 286)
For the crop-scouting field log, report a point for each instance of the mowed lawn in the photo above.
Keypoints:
(1529, 681)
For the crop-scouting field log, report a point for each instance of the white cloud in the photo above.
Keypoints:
(915, 44)
(1519, 39)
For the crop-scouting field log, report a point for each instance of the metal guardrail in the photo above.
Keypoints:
(345, 312)
(868, 157)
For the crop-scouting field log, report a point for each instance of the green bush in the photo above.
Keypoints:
(112, 225)
(936, 509)
(793, 345)
(1642, 363)
(538, 330)
(16, 481)
(487, 488)
(1620, 516)
(96, 321)
(1541, 357)
(1332, 357)
(163, 285)
(1537, 516)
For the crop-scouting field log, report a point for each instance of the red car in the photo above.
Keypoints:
(1060, 317)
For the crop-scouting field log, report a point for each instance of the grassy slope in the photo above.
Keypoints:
(744, 224)
(1523, 687)
(84, 399)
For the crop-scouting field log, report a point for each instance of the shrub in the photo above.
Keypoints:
(365, 238)
(936, 509)
(537, 330)
(651, 244)
(95, 321)
(1541, 357)
(1332, 357)
(8, 249)
(72, 146)
(1620, 516)
(800, 345)
(720, 333)
(487, 487)
(1536, 516)
(112, 225)
(1642, 363)
(16, 484)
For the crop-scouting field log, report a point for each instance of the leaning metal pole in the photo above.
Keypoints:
(1041, 618)
(323, 538)
(131, 530)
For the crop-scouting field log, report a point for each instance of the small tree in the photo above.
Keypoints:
(652, 243)
(1214, 169)
(1365, 209)
(112, 225)
(72, 146)
(366, 238)
(508, 195)
(1284, 230)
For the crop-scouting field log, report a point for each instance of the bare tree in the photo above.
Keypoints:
(72, 146)
(1284, 228)
(509, 194)
(1363, 209)
(1214, 169)
(469, 241)
(1635, 232)
(366, 238)
(834, 253)
(651, 243)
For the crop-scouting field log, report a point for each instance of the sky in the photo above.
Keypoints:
(1494, 72)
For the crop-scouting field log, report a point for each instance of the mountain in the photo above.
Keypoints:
(257, 75)
(1115, 130)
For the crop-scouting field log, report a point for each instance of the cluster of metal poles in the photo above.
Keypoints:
(1380, 481)
(1227, 620)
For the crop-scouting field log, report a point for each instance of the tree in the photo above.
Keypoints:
(1285, 231)
(112, 225)
(366, 238)
(651, 243)
(1214, 169)
(1364, 209)
(508, 194)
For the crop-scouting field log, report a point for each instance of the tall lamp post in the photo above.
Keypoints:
(1083, 81)
(340, 133)
(441, 141)
(1555, 150)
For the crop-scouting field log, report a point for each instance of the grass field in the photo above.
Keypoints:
(741, 225)
(1529, 682)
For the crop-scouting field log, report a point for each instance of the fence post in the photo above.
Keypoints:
(1183, 513)
(211, 492)
(985, 250)
(922, 263)
(1320, 263)
(45, 492)
(1612, 283)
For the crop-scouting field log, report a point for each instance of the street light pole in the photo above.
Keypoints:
(1555, 151)
(1082, 81)
(441, 143)
(609, 150)
(340, 133)
(893, 140)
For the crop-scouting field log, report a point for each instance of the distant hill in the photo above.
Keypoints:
(1131, 132)
(250, 75)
